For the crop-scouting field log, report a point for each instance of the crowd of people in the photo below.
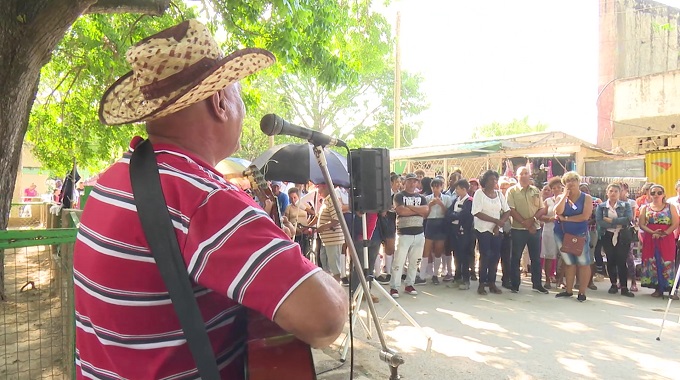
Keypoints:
(459, 231)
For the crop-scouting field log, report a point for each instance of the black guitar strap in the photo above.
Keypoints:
(160, 234)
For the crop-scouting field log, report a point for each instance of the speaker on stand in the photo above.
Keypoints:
(370, 168)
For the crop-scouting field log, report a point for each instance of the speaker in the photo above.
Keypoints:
(370, 179)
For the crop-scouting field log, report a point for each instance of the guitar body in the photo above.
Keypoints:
(274, 354)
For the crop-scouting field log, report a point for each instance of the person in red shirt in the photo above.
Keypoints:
(188, 94)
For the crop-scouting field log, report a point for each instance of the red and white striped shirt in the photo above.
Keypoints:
(126, 326)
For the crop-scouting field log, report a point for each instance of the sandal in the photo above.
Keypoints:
(633, 288)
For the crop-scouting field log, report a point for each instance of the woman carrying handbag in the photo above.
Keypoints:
(572, 212)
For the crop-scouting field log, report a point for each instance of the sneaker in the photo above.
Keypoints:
(507, 285)
(627, 293)
(481, 290)
(345, 281)
(464, 286)
(448, 278)
(581, 297)
(540, 289)
(547, 285)
(394, 293)
(614, 289)
(563, 294)
(494, 289)
(435, 280)
(419, 281)
(514, 290)
(384, 279)
(592, 287)
(411, 290)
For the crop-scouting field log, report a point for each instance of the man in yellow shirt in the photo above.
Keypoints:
(525, 203)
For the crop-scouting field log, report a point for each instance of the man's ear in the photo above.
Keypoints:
(218, 105)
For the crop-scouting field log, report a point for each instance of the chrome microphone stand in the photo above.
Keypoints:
(388, 355)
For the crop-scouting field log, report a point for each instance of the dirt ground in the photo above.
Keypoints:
(520, 336)
(31, 332)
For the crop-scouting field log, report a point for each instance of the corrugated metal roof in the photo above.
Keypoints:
(478, 147)
(453, 150)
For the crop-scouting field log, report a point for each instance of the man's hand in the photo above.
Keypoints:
(496, 231)
(607, 219)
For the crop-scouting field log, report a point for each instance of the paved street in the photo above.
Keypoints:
(521, 336)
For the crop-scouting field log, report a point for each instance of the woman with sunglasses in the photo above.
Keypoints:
(658, 220)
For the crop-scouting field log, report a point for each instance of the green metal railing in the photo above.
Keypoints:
(37, 336)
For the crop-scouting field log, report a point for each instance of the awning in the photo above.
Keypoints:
(447, 151)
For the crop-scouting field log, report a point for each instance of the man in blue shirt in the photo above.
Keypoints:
(280, 195)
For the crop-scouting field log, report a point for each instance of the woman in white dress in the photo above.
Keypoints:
(549, 250)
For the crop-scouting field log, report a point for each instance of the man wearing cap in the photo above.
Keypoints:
(281, 196)
(188, 94)
(411, 209)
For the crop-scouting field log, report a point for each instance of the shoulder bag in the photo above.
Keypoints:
(572, 244)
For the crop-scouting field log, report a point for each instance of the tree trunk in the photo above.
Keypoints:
(29, 32)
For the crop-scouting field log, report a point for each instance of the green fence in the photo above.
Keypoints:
(37, 312)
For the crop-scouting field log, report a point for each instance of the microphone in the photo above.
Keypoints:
(272, 125)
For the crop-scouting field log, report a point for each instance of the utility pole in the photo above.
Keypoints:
(397, 87)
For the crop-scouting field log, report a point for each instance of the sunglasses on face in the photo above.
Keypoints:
(656, 193)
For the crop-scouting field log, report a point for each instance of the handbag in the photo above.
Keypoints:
(630, 233)
(572, 244)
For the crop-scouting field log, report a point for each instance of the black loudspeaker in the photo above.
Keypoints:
(371, 179)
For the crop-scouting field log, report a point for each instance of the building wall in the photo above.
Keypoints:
(639, 39)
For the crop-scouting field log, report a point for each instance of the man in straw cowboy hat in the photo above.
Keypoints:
(188, 94)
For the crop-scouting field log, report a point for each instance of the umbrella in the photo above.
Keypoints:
(297, 163)
(232, 165)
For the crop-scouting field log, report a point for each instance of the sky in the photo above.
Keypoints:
(497, 60)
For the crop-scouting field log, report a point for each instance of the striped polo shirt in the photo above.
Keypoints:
(126, 326)
(326, 215)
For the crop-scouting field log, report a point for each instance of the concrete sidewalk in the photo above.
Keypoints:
(520, 336)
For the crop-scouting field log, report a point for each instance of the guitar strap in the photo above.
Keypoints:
(160, 234)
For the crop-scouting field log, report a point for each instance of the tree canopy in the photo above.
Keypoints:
(334, 72)
(515, 127)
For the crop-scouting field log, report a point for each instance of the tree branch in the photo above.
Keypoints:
(149, 7)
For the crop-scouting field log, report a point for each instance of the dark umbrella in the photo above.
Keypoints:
(297, 163)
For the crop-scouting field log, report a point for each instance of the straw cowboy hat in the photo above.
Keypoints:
(174, 69)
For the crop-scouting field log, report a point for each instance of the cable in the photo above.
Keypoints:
(331, 369)
(637, 126)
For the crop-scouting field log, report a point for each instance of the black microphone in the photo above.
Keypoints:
(273, 125)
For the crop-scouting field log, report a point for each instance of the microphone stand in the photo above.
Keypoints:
(389, 356)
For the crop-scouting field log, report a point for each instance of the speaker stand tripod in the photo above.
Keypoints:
(674, 291)
(358, 299)
(389, 356)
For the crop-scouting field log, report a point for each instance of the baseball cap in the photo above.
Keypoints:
(277, 183)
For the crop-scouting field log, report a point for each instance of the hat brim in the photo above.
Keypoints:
(124, 103)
